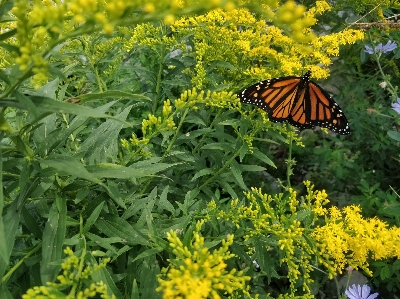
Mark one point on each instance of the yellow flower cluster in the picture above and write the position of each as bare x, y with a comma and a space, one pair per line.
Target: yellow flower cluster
43, 24
193, 99
151, 127
70, 277
346, 238
157, 124
315, 201
294, 20
147, 34
276, 215
349, 239
239, 39
189, 99
196, 273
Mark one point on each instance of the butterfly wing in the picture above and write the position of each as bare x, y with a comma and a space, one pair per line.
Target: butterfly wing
323, 111
282, 98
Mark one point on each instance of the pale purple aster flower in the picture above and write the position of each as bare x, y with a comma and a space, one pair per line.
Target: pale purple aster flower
389, 47
396, 106
358, 292
369, 50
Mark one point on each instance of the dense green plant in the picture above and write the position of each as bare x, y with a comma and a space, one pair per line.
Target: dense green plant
129, 164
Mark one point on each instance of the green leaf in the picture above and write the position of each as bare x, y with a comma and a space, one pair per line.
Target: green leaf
203, 172
93, 217
4, 292
7, 234
175, 82
237, 174
394, 135
10, 222
48, 90
137, 170
111, 94
26, 102
4, 77
102, 275
164, 203
221, 64
385, 272
50, 105
31, 223
5, 7
190, 196
135, 290
244, 167
8, 47
363, 56
148, 278
102, 143
113, 191
57, 139
230, 122
195, 133
195, 118
104, 242
264, 259
241, 253
114, 226
53, 239
4, 252
146, 212
148, 252
224, 146
259, 155
139, 205
228, 188
69, 166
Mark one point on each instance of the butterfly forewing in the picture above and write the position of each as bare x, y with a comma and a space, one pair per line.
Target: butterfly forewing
297, 100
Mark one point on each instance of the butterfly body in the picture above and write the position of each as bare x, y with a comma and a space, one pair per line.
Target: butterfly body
297, 100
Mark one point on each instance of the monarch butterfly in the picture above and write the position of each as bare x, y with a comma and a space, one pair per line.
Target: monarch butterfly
298, 100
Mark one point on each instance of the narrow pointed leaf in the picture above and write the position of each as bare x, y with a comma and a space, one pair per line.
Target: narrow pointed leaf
53, 240
113, 226
69, 166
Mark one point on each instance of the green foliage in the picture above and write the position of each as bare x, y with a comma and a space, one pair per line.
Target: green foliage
121, 134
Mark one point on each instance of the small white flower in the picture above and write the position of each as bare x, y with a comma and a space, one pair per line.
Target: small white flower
383, 84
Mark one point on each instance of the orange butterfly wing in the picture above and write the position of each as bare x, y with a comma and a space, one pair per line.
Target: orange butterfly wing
325, 112
297, 100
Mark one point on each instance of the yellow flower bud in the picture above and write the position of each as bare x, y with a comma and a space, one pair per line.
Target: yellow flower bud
149, 8
79, 18
285, 17
108, 28
299, 11
289, 6
230, 6
169, 19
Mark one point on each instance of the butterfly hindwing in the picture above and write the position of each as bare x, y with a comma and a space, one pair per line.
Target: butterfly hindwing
325, 112
297, 100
